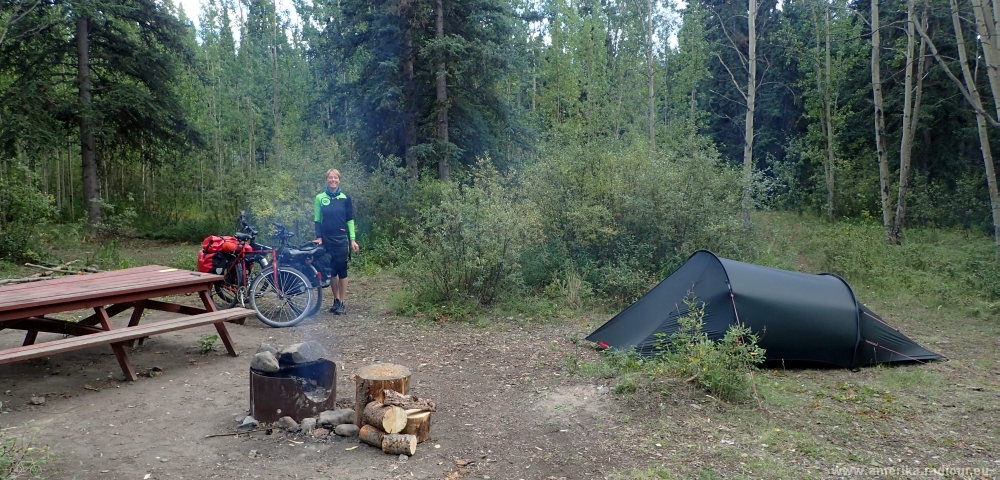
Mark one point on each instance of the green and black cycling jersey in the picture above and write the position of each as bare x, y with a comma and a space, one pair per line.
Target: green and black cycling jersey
334, 215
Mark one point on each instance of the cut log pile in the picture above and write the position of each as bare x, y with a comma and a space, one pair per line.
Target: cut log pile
389, 418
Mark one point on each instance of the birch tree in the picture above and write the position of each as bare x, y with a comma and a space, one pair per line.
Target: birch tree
911, 112
748, 92
880, 142
967, 86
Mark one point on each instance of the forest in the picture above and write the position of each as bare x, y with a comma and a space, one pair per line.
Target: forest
499, 145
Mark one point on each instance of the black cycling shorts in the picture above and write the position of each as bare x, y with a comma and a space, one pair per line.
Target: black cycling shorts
339, 250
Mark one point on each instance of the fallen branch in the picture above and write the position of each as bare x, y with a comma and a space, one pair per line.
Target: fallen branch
230, 434
59, 270
21, 280
59, 266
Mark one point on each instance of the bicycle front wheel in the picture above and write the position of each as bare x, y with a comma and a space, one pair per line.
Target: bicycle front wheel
282, 297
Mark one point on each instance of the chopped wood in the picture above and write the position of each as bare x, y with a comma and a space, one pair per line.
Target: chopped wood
371, 435
392, 419
399, 443
408, 402
418, 423
371, 381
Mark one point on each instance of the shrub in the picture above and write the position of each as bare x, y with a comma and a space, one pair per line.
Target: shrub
23, 207
20, 457
724, 367
467, 246
626, 218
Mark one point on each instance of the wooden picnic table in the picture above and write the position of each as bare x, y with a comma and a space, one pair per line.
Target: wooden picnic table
24, 306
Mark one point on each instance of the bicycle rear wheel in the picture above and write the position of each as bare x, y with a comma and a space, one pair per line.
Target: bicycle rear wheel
281, 298
226, 293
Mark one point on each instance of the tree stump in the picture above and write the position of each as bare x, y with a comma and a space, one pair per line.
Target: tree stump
418, 423
372, 380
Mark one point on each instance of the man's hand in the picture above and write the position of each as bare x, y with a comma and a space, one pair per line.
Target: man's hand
318, 240
354, 246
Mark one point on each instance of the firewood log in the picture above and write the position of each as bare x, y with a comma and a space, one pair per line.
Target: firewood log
418, 422
398, 443
408, 402
392, 419
371, 435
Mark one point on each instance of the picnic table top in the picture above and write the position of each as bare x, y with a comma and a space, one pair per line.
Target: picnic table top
104, 288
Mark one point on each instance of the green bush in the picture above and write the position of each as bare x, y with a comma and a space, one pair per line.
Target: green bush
626, 218
466, 247
724, 367
23, 207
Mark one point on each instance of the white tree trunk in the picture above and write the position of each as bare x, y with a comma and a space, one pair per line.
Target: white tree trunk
883, 160
747, 201
990, 52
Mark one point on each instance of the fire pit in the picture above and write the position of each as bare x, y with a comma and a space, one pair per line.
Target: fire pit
299, 391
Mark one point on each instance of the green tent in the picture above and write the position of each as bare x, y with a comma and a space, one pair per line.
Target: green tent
799, 317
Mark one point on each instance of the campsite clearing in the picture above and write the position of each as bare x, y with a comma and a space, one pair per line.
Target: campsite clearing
515, 400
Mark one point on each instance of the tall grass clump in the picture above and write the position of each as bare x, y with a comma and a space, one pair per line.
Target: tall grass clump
623, 218
466, 247
20, 457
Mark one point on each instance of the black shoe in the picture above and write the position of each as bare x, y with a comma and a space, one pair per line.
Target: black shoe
341, 309
335, 309
325, 282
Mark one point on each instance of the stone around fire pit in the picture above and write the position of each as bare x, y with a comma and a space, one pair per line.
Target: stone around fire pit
265, 362
308, 425
288, 423
336, 417
347, 430
302, 353
265, 347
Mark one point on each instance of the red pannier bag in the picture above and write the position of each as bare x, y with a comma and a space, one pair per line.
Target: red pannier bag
216, 252
216, 243
205, 261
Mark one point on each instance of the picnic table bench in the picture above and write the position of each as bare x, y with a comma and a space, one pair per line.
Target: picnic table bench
24, 306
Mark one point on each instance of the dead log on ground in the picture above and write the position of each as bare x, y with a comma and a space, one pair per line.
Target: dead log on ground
21, 280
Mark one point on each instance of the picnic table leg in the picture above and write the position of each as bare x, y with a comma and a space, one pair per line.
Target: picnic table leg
219, 327
30, 337
134, 320
123, 360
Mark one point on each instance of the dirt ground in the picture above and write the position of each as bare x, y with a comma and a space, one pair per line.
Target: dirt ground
513, 403
505, 408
